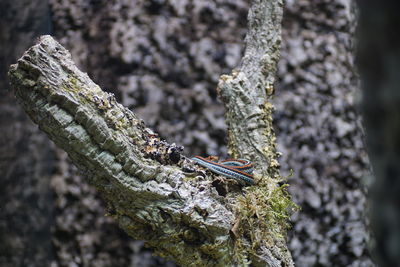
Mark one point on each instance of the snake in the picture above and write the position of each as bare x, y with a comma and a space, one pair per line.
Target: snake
238, 169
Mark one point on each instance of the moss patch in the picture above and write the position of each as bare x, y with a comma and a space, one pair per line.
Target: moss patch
263, 214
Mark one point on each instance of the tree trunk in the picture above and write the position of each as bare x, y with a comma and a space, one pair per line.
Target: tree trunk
320, 135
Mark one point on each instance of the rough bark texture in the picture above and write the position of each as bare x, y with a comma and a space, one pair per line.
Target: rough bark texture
245, 93
151, 198
319, 134
379, 61
248, 115
163, 59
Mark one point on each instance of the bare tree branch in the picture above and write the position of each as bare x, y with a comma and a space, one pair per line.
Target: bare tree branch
245, 92
248, 115
186, 220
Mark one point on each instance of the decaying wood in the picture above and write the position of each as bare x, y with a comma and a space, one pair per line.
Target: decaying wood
153, 192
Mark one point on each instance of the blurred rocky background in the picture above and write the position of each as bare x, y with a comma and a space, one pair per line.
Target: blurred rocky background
162, 59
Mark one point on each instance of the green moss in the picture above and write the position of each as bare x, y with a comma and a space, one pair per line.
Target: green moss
263, 213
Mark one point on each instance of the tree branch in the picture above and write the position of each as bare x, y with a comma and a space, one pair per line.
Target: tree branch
153, 191
245, 92
248, 115
111, 145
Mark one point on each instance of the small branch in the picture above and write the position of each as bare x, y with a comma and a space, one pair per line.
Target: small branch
263, 41
245, 92
248, 115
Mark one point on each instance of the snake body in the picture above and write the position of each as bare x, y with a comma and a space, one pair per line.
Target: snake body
238, 169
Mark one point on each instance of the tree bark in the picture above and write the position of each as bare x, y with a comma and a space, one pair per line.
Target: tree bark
245, 93
320, 135
141, 176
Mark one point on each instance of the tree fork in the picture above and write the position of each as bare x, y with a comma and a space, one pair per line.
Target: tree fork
153, 192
